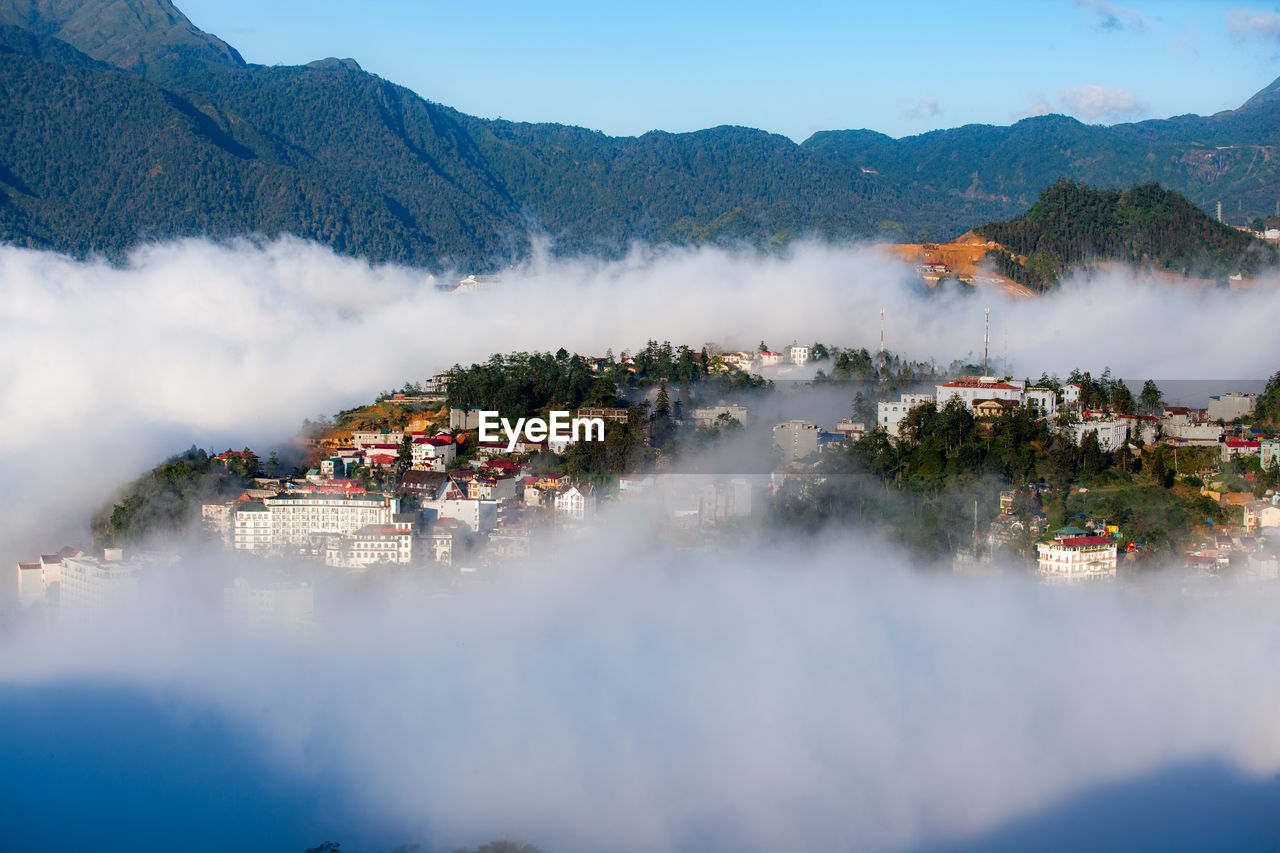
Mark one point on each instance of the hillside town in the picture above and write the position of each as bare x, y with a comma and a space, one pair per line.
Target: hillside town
427, 497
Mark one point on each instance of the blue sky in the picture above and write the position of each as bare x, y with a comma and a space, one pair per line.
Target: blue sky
900, 68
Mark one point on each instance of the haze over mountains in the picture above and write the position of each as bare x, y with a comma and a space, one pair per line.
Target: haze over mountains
123, 122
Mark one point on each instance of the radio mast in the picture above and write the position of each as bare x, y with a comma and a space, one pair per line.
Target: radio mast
986, 344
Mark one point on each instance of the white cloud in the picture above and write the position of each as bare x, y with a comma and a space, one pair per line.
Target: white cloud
111, 369
1095, 103
1107, 16
621, 694
926, 107
1039, 106
797, 694
1250, 24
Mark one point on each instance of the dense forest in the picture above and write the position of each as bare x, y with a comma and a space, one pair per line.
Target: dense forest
166, 501
123, 122
1146, 226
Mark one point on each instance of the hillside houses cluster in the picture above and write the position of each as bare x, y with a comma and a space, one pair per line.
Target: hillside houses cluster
988, 397
448, 513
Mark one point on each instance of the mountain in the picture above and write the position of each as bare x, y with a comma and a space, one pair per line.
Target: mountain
1073, 225
135, 35
123, 122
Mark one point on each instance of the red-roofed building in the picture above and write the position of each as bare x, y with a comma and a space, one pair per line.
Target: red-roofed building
1078, 558
973, 389
1233, 447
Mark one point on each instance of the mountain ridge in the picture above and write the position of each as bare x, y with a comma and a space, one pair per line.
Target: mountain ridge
185, 138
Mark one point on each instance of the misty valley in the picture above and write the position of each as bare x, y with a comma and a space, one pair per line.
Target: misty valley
705, 429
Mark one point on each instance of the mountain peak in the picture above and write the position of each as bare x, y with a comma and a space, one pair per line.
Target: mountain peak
129, 34
1269, 95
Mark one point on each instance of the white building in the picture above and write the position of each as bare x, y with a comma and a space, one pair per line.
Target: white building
1043, 400
266, 604
433, 453
890, 414
1233, 447
576, 503
796, 439
1191, 431
1228, 407
770, 359
799, 354
39, 581
293, 520
709, 416
1269, 453
373, 545
363, 439
475, 515
1112, 433
1260, 514
88, 583
1071, 394
979, 388
1077, 558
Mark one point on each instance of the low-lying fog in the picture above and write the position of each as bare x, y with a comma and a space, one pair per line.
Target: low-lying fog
789, 693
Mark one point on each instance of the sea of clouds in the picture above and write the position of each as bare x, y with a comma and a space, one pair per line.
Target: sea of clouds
789, 693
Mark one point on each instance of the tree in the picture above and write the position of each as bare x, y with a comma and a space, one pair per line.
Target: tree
273, 465
1150, 398
404, 457
1092, 459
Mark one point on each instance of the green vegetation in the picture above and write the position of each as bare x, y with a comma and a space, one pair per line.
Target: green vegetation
922, 489
1268, 409
526, 384
125, 123
167, 500
1072, 224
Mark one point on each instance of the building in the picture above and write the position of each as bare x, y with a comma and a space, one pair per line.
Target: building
1229, 407
1233, 447
1269, 453
39, 581
850, 429
617, 415
294, 520
991, 409
437, 384
433, 453
363, 439
1259, 515
709, 416
1071, 394
216, 518
475, 515
770, 359
978, 388
576, 503
88, 583
460, 418
269, 603
1044, 401
372, 545
799, 354
489, 488
1112, 433
1179, 423
1071, 559
796, 439
890, 414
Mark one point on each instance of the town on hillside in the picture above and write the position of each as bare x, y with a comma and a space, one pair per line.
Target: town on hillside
1080, 480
